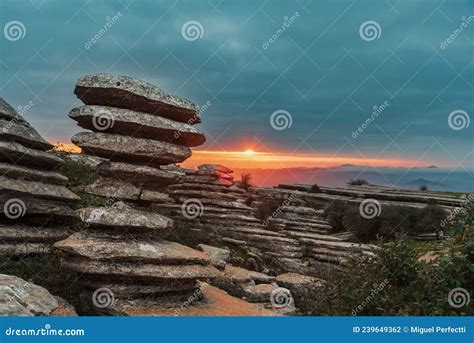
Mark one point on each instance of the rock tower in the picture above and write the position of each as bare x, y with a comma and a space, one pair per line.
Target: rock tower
34, 210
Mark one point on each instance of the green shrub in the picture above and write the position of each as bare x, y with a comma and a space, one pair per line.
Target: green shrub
335, 214
78, 173
423, 188
396, 282
391, 221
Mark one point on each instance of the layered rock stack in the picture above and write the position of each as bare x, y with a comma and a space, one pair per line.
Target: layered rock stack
209, 201
34, 202
130, 269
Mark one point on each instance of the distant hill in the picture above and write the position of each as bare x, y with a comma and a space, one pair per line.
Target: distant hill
433, 177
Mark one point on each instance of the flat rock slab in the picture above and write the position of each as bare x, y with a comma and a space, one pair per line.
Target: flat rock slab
136, 124
23, 133
138, 174
9, 113
130, 149
214, 302
242, 275
208, 179
120, 215
22, 248
140, 271
141, 290
219, 257
259, 293
18, 172
36, 189
35, 207
23, 233
134, 94
214, 168
148, 251
16, 153
108, 187
34, 299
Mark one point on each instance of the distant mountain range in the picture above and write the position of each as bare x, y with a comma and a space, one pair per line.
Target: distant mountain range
434, 178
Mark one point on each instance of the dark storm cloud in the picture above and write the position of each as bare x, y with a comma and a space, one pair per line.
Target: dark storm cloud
318, 69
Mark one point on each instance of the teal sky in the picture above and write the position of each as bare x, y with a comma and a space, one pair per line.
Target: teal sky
319, 69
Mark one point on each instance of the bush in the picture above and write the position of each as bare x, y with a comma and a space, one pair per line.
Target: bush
396, 282
335, 213
315, 189
358, 182
423, 188
391, 221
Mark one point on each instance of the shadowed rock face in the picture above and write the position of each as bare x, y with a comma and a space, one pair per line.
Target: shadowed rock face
9, 113
138, 124
134, 94
16, 153
34, 210
23, 133
130, 149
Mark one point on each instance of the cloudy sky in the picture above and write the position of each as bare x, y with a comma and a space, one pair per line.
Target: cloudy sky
321, 66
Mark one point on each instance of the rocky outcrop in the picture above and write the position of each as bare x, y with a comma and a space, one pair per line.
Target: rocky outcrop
34, 202
128, 265
21, 298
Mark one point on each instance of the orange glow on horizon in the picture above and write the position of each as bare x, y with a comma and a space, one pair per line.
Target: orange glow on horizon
249, 159
275, 160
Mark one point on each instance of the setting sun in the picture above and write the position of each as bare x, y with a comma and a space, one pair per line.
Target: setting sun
249, 152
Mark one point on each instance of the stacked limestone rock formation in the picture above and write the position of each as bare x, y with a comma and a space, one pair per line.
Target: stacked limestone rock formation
130, 269
34, 211
209, 201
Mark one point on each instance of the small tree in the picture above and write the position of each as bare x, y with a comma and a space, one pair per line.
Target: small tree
423, 188
245, 181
